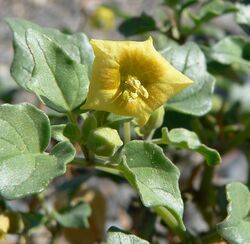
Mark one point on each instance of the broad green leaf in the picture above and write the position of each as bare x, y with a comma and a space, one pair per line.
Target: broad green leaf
51, 64
76, 46
196, 99
154, 176
137, 25
24, 166
243, 17
236, 227
230, 50
212, 9
186, 139
117, 236
74, 217
58, 80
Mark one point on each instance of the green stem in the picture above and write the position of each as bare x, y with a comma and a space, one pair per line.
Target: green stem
80, 162
172, 222
72, 118
98, 164
212, 237
85, 152
208, 174
157, 141
207, 201
109, 169
126, 132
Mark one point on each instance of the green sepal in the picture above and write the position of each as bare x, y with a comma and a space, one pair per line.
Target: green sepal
104, 141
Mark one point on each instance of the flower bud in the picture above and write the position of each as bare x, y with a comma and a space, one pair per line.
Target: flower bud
155, 121
89, 124
104, 141
103, 18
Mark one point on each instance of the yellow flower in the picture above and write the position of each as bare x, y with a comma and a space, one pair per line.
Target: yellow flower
103, 18
131, 78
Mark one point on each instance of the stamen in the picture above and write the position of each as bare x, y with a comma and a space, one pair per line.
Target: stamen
125, 95
143, 91
133, 95
132, 89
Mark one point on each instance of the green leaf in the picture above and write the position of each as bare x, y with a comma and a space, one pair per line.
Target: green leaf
243, 17
154, 176
137, 25
212, 9
235, 228
180, 5
58, 80
76, 46
117, 236
74, 217
187, 3
230, 50
197, 98
24, 166
57, 132
51, 64
186, 139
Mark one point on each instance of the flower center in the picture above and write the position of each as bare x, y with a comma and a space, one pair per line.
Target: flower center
132, 88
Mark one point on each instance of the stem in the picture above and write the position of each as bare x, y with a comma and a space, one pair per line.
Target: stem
99, 165
212, 237
207, 195
171, 222
85, 152
109, 169
80, 162
72, 118
126, 132
207, 179
157, 141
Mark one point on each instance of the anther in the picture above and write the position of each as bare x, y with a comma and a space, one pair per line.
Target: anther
133, 88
